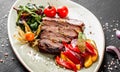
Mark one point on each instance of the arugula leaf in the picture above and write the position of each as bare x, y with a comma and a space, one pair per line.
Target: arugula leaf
34, 26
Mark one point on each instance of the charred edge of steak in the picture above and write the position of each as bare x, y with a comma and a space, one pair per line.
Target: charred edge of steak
70, 21
51, 50
47, 46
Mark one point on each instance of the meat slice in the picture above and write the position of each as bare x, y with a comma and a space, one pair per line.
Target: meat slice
56, 30
55, 37
65, 24
70, 21
61, 30
50, 28
47, 45
68, 32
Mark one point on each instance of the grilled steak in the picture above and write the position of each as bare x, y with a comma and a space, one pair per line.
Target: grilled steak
56, 30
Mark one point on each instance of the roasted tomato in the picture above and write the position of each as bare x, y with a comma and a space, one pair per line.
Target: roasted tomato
50, 11
62, 11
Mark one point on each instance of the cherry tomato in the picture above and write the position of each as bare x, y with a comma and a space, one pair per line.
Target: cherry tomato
29, 36
50, 11
62, 11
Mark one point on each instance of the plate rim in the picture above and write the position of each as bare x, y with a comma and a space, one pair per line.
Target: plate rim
21, 60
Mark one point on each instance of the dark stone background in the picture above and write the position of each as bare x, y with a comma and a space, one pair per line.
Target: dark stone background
107, 11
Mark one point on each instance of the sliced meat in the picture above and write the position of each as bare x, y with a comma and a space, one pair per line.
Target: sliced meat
50, 28
68, 32
56, 37
55, 30
70, 21
65, 25
47, 45
60, 30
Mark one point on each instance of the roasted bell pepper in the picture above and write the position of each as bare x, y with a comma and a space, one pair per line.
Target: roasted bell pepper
90, 48
69, 54
92, 43
64, 57
66, 64
84, 54
88, 61
78, 66
95, 57
75, 49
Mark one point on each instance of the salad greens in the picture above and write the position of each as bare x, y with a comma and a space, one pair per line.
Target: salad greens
32, 14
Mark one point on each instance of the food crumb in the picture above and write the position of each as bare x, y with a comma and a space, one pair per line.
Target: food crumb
117, 24
113, 20
115, 67
106, 23
111, 25
7, 44
13, 58
48, 59
64, 68
111, 62
117, 61
104, 65
7, 38
6, 54
2, 45
90, 32
58, 67
114, 29
1, 61
51, 63
5, 16
112, 35
111, 68
100, 17
46, 63
117, 20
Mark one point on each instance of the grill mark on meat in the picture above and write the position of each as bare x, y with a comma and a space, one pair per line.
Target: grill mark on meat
56, 37
50, 28
62, 25
68, 32
60, 30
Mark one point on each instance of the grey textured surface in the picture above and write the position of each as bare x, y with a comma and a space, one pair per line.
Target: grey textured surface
107, 11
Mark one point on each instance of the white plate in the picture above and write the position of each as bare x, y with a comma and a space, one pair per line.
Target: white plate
38, 62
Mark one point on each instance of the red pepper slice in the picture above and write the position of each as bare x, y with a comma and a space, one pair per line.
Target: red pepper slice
90, 48
75, 49
66, 64
69, 54
85, 54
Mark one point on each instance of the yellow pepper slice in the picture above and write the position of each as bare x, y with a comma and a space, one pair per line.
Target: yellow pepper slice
95, 57
88, 61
